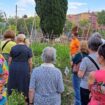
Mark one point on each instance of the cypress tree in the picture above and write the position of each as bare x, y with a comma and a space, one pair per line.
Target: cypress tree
52, 15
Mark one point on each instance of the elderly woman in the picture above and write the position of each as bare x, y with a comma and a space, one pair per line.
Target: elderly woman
46, 84
7, 43
20, 63
88, 65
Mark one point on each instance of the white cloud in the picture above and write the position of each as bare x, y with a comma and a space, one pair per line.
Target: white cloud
25, 3
74, 7
25, 7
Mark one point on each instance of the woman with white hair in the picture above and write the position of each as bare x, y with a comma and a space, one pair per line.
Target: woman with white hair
46, 84
20, 66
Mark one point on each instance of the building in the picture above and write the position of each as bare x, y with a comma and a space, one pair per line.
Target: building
91, 17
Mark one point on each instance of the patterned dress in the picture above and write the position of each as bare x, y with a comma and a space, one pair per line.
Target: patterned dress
47, 82
3, 79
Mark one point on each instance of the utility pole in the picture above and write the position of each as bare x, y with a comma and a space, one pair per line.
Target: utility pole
16, 19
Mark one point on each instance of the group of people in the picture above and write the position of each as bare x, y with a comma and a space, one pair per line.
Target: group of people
88, 69
40, 86
18, 56
44, 84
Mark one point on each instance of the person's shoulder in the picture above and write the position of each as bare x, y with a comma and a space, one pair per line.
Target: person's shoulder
77, 40
85, 60
36, 69
57, 70
78, 54
12, 42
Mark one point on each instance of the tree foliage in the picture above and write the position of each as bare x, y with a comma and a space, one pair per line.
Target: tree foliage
1, 17
25, 25
52, 15
84, 23
68, 25
101, 17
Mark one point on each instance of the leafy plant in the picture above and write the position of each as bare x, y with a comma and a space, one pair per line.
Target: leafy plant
16, 98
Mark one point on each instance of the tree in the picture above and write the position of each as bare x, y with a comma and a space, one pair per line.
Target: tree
52, 15
68, 25
101, 17
1, 17
84, 23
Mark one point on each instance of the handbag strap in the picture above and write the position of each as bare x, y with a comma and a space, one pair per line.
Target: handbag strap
5, 44
94, 62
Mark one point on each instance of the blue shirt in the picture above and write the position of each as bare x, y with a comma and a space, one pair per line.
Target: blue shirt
47, 82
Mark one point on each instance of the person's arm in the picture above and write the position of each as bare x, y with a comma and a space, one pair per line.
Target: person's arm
30, 64
31, 96
9, 60
81, 73
91, 78
60, 85
83, 67
32, 88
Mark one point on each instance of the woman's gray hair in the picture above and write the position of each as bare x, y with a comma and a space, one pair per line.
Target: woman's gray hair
97, 34
49, 55
94, 43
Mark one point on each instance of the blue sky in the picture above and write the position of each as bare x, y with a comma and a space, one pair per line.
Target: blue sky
27, 6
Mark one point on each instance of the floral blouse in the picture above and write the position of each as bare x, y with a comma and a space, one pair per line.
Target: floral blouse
3, 79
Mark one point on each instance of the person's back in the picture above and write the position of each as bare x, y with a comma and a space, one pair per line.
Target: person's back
48, 84
98, 88
20, 53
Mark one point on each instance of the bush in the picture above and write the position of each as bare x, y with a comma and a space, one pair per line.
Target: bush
63, 59
16, 98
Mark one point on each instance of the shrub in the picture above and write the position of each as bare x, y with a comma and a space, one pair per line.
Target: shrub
16, 98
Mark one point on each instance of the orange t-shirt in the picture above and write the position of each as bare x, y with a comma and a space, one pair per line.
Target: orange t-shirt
74, 46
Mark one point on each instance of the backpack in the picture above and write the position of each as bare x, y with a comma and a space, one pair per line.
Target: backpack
75, 67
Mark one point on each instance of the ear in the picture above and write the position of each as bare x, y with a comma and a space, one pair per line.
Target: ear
102, 58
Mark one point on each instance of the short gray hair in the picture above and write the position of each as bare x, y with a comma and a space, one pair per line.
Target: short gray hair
94, 43
49, 55
97, 34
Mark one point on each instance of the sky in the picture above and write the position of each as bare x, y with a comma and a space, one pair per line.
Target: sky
28, 6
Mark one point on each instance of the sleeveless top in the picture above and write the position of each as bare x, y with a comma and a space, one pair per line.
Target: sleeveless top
98, 89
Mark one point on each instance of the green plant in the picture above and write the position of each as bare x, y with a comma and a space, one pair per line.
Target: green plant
16, 98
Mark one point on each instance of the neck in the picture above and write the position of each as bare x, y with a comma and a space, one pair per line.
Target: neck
91, 52
21, 43
103, 66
